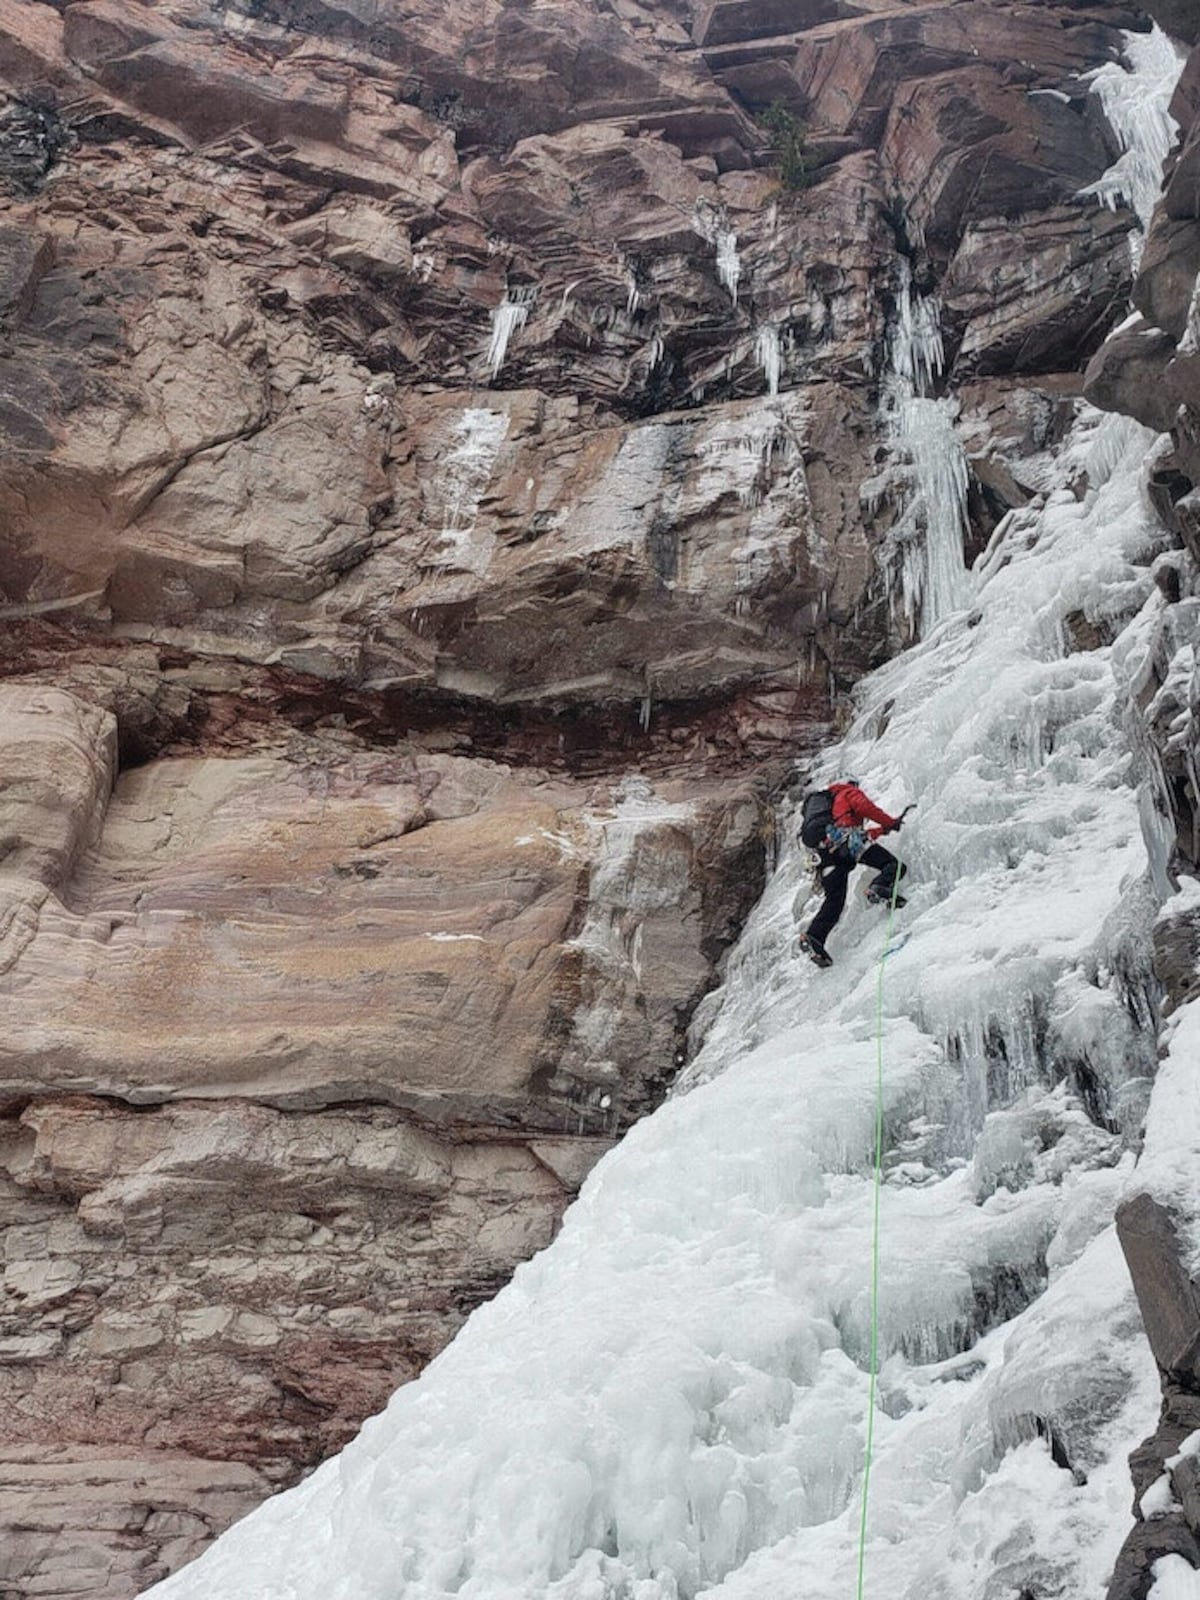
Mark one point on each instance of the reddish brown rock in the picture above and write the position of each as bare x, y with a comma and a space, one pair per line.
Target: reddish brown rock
1126, 374
1176, 17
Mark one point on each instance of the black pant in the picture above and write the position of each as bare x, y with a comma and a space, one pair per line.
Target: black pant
836, 867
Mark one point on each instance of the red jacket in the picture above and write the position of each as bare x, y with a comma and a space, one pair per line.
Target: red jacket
851, 809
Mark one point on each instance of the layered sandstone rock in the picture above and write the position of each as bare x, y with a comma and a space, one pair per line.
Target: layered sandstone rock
302, 1056
446, 480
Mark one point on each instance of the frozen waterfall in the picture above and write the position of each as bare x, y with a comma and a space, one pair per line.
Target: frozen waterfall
1136, 105
670, 1400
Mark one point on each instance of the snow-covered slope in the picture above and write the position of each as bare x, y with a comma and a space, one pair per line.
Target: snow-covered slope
672, 1399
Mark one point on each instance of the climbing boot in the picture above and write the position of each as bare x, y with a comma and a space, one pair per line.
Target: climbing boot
883, 897
815, 951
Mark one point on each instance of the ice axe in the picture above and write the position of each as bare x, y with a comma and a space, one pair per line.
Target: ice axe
896, 826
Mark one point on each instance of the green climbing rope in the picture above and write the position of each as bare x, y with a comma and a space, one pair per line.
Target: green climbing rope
874, 1346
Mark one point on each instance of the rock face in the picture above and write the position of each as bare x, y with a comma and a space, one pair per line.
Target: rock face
1150, 371
448, 477
305, 1051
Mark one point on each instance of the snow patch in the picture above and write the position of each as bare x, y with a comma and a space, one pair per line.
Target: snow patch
1174, 1580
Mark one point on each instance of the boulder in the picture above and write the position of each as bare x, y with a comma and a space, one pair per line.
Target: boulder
1127, 375
1168, 1296
1166, 281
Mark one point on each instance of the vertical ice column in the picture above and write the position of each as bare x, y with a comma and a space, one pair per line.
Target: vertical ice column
929, 534
770, 356
729, 263
934, 576
508, 316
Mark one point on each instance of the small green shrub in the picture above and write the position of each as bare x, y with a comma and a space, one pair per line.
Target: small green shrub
788, 135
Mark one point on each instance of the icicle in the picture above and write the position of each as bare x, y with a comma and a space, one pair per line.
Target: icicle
508, 316
1137, 106
917, 353
634, 298
769, 356
729, 265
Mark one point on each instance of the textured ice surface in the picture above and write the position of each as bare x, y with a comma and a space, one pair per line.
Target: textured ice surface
1137, 107
671, 1399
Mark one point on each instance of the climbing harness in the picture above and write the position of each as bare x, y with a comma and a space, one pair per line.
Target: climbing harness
878, 1186
852, 840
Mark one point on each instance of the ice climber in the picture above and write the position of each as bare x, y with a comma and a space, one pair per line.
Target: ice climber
833, 822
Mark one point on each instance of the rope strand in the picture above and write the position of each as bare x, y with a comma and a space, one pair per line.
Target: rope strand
878, 1186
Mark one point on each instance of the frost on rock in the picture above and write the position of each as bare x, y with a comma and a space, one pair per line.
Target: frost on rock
636, 874
671, 1400
1137, 106
737, 455
459, 485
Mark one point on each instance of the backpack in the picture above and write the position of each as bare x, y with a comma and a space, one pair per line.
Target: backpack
816, 817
